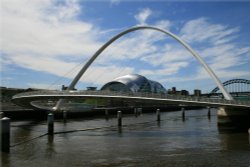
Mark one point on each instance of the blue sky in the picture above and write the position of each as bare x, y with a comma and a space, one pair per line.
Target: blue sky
44, 43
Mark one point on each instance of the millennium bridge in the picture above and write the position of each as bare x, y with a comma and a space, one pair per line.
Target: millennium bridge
226, 106
34, 99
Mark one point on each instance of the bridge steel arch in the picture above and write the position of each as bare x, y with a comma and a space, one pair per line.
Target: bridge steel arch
232, 81
196, 55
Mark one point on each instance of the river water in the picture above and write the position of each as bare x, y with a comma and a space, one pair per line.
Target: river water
141, 142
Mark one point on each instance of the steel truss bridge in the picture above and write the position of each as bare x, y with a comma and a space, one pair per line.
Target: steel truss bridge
30, 99
235, 86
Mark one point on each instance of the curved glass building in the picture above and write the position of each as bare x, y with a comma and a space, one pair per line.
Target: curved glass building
134, 83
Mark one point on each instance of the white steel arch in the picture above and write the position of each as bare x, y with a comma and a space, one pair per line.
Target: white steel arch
196, 55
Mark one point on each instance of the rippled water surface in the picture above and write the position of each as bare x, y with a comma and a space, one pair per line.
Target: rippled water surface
142, 141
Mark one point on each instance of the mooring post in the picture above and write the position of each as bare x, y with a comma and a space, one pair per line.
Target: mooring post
140, 111
106, 113
119, 117
135, 112
50, 123
5, 134
209, 112
158, 114
64, 116
183, 113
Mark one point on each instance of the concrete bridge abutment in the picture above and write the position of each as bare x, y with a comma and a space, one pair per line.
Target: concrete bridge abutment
238, 118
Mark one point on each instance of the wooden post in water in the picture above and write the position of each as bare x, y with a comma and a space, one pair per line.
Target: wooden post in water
183, 113
119, 118
135, 111
106, 113
209, 112
64, 116
50, 123
139, 110
5, 134
158, 114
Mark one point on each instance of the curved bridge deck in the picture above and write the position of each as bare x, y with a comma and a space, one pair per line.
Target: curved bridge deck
25, 99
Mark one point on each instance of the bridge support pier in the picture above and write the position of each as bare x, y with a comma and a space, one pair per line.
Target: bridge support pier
236, 118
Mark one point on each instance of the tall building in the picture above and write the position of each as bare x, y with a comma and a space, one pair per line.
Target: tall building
197, 92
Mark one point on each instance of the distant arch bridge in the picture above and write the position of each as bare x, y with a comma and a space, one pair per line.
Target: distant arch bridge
235, 86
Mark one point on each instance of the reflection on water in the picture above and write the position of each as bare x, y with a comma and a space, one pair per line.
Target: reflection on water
142, 141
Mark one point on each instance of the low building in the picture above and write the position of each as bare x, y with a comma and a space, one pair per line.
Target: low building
174, 91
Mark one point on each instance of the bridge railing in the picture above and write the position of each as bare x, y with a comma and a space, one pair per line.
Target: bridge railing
136, 94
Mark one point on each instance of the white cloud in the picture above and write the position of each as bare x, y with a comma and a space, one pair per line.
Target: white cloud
104, 74
221, 52
44, 29
143, 15
167, 55
45, 35
45, 64
164, 24
169, 69
200, 30
139, 44
222, 73
115, 2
